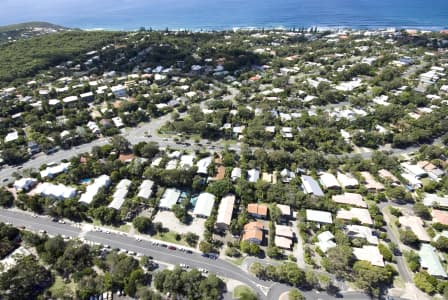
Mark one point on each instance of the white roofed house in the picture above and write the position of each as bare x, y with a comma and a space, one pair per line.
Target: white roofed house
118, 122
12, 136
319, 216
52, 171
325, 241
329, 181
225, 212
369, 253
169, 198
203, 164
413, 181
287, 175
347, 180
186, 161
415, 170
58, 192
236, 173
204, 205
146, 189
359, 231
70, 99
25, 184
286, 132
435, 200
254, 175
119, 91
102, 181
121, 191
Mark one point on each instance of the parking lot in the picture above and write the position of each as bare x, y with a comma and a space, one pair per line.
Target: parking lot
169, 220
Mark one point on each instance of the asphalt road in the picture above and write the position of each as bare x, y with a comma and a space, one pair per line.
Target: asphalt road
194, 260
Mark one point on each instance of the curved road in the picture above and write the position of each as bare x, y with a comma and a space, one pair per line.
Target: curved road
145, 246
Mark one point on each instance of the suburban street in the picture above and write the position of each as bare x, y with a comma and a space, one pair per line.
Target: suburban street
264, 289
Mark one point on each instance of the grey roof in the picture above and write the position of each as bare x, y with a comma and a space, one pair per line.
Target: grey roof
311, 186
430, 261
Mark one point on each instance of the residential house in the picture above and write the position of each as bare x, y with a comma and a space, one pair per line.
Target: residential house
169, 198
414, 170
318, 216
146, 189
350, 199
119, 91
363, 232
204, 205
102, 181
259, 211
388, 176
253, 232
285, 212
236, 174
329, 181
360, 214
203, 164
253, 175
415, 224
287, 175
311, 186
25, 184
347, 181
52, 171
370, 182
414, 182
435, 200
433, 171
430, 261
121, 191
58, 192
440, 216
325, 241
225, 212
369, 253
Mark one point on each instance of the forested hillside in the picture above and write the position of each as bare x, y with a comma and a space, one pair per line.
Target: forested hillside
27, 57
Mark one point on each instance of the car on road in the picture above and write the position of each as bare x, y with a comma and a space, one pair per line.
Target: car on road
189, 251
138, 239
42, 231
5, 179
54, 220
184, 266
61, 222
203, 270
210, 255
172, 248
164, 245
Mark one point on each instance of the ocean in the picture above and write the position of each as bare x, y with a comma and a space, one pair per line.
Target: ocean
228, 14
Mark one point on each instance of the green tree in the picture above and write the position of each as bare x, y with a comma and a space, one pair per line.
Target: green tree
26, 280
6, 198
142, 224
295, 294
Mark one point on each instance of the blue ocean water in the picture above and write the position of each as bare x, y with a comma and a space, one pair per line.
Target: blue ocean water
213, 14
